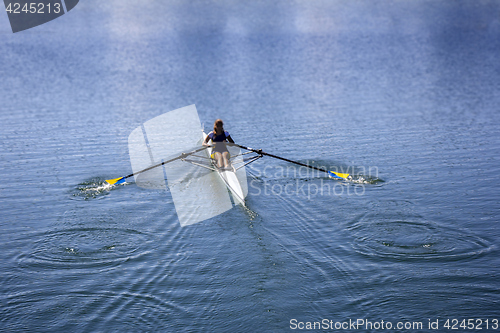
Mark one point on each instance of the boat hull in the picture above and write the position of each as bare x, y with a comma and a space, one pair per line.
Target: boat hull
229, 178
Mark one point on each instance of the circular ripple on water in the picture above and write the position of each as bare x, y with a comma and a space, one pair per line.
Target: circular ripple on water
82, 248
414, 239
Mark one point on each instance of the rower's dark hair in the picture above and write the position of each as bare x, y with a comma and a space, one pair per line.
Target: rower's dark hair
216, 124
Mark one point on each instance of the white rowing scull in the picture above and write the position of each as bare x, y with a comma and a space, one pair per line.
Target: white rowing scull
228, 176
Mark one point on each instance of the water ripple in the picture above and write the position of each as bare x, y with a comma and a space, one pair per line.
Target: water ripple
413, 238
82, 248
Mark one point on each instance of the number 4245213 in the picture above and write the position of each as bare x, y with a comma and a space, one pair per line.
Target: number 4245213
471, 324
33, 8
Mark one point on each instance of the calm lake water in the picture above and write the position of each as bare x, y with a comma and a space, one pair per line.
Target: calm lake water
403, 94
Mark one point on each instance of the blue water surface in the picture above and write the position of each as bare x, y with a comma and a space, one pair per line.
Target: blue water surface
404, 95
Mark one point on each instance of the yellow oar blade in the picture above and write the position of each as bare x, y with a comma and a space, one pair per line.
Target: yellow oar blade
334, 174
115, 181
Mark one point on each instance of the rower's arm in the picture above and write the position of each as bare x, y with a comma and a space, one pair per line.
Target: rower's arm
230, 139
205, 143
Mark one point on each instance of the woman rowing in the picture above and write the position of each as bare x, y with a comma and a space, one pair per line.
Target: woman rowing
219, 137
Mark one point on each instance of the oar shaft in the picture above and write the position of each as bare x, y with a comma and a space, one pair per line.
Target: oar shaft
183, 155
259, 151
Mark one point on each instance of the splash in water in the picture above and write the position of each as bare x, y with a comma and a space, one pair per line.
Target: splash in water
92, 189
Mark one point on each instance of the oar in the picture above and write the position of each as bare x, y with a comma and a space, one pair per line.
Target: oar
332, 174
121, 180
